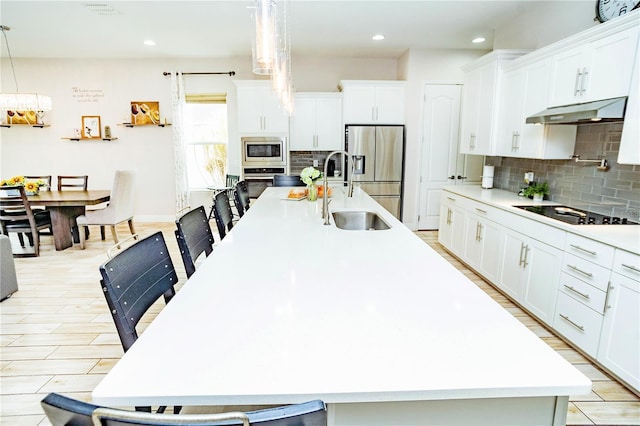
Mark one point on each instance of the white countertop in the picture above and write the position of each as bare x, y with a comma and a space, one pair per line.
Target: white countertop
286, 309
625, 237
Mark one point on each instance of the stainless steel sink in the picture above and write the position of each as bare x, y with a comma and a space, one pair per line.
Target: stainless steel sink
359, 221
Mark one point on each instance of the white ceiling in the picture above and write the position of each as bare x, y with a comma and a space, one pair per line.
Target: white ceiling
215, 28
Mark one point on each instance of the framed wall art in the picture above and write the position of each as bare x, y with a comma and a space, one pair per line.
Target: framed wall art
145, 112
91, 127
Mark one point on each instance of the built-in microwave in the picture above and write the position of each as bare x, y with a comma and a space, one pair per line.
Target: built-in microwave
264, 151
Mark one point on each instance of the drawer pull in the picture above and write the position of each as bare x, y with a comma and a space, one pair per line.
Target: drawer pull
451, 199
566, 318
633, 268
481, 211
588, 274
593, 253
568, 287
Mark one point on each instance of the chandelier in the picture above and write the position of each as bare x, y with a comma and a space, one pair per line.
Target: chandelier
22, 101
271, 48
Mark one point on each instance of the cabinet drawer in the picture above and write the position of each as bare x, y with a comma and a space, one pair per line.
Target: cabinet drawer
593, 251
578, 323
586, 271
486, 211
584, 293
542, 232
627, 264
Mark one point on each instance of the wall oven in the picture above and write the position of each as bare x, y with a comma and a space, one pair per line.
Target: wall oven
264, 151
260, 178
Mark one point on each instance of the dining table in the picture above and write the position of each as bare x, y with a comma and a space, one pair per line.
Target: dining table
64, 207
373, 322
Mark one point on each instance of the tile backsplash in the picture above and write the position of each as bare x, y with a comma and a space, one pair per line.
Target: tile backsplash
615, 192
301, 159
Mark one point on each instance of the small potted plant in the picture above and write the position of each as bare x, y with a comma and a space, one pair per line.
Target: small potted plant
537, 191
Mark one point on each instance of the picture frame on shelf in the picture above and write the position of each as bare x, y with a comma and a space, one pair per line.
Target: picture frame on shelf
91, 127
145, 113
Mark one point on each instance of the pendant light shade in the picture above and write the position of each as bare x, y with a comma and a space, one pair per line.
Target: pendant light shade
264, 48
21, 101
24, 102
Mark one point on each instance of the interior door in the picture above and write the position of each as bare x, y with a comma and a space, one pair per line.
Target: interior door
441, 162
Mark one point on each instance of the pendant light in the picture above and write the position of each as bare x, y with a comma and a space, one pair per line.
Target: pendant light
20, 101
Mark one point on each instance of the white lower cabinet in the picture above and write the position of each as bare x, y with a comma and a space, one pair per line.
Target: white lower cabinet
530, 273
619, 349
452, 224
586, 290
483, 238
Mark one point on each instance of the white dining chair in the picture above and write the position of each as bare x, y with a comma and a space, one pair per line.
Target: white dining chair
120, 208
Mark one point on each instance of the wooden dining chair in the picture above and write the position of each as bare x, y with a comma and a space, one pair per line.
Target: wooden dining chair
38, 210
79, 182
64, 411
194, 237
119, 210
222, 213
16, 216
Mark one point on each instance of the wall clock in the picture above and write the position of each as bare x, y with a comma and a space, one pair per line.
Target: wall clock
609, 9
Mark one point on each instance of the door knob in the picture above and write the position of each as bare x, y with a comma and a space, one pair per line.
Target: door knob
451, 177
461, 177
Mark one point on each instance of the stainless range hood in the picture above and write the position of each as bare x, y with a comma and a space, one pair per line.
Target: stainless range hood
598, 111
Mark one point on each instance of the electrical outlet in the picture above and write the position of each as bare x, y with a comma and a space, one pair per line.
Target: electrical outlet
315, 163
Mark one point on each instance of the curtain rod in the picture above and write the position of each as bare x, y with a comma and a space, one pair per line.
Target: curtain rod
230, 73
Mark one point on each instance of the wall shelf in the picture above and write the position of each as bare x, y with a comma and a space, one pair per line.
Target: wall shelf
40, 126
144, 125
90, 139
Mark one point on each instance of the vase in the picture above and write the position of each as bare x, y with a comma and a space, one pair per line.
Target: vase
31, 192
538, 197
312, 192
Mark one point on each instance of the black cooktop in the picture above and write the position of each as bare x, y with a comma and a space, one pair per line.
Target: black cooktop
577, 216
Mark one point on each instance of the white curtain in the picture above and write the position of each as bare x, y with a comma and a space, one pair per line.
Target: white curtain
177, 105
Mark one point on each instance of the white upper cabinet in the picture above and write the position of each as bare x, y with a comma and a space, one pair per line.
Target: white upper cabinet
595, 70
373, 102
630, 140
523, 93
316, 124
259, 111
479, 101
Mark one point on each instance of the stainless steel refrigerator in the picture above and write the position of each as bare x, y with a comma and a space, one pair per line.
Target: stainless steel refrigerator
378, 154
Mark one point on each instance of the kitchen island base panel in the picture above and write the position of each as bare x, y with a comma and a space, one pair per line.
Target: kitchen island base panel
478, 412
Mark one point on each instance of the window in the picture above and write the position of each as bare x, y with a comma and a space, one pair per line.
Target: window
205, 136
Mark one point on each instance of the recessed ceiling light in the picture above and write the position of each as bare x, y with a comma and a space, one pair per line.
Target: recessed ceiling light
478, 40
378, 37
149, 43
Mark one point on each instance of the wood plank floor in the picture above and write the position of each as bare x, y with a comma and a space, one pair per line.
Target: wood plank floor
56, 334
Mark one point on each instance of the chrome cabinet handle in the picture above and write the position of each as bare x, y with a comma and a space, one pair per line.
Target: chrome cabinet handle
606, 297
526, 254
633, 268
451, 199
593, 253
585, 73
576, 86
478, 231
521, 251
481, 211
586, 296
588, 274
566, 318
472, 141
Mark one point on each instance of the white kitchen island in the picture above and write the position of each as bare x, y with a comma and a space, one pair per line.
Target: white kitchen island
374, 323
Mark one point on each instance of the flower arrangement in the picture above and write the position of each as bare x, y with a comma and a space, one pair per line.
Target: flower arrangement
30, 186
309, 175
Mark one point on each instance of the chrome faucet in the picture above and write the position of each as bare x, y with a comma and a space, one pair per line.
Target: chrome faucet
325, 193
